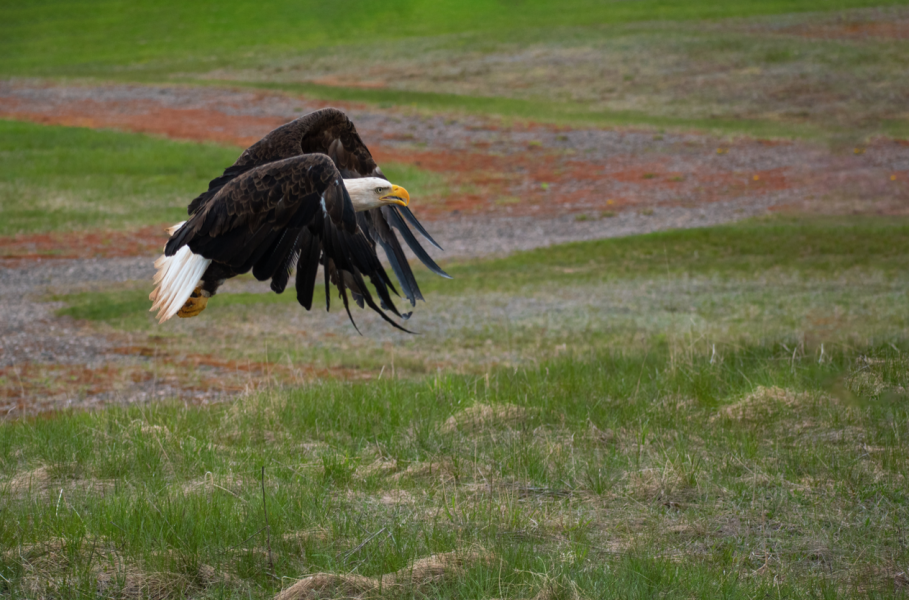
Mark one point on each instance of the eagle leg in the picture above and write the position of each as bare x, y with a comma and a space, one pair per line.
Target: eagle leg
196, 304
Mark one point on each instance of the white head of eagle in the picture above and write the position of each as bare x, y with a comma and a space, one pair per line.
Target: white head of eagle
372, 192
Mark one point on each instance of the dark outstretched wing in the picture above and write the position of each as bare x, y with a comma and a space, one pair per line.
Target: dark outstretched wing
292, 209
330, 132
326, 131
378, 223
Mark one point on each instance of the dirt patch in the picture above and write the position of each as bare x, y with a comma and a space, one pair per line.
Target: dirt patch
754, 68
488, 167
16, 250
443, 471
897, 29
418, 577
549, 170
506, 187
148, 117
40, 482
485, 416
49, 570
354, 83
144, 372
31, 482
763, 403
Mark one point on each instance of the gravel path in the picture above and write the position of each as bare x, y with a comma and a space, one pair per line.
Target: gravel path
30, 333
586, 166
464, 237
509, 170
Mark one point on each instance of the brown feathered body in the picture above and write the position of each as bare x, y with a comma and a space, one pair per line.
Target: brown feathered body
283, 204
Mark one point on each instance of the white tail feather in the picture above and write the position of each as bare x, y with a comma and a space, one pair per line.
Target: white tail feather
177, 277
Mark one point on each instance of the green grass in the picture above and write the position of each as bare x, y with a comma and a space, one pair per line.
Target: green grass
828, 280
128, 308
423, 186
70, 178
567, 113
766, 81
618, 474
616, 63
832, 248
816, 247
686, 414
54, 38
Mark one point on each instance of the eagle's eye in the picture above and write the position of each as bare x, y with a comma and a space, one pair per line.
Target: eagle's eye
380, 190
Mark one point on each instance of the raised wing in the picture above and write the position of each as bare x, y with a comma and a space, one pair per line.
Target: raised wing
293, 209
329, 131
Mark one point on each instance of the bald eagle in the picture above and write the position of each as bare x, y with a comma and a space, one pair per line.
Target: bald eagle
307, 194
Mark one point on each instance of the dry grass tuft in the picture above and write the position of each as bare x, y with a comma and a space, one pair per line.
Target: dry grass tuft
377, 467
35, 481
209, 576
48, 572
397, 498
423, 573
159, 431
319, 534
129, 582
327, 585
230, 484
652, 483
604, 436
763, 403
435, 568
40, 482
485, 416
868, 383
442, 471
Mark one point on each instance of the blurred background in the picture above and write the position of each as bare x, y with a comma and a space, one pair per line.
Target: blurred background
679, 237
515, 125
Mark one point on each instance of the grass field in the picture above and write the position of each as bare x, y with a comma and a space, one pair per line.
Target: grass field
697, 413
716, 412
761, 77
73, 178
616, 474
829, 280
766, 68
59, 38
65, 178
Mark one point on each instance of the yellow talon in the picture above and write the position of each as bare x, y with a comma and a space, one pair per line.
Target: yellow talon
194, 305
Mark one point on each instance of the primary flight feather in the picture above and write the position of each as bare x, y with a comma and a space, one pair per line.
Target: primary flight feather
308, 194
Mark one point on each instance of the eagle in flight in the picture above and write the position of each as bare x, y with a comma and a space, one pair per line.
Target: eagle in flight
308, 194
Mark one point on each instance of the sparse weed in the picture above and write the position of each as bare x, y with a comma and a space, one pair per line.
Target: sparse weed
510, 473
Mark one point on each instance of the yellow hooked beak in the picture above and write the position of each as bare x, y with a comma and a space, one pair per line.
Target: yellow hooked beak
398, 196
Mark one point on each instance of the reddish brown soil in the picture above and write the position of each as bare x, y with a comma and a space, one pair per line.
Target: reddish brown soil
893, 30
14, 250
30, 387
146, 117
549, 181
